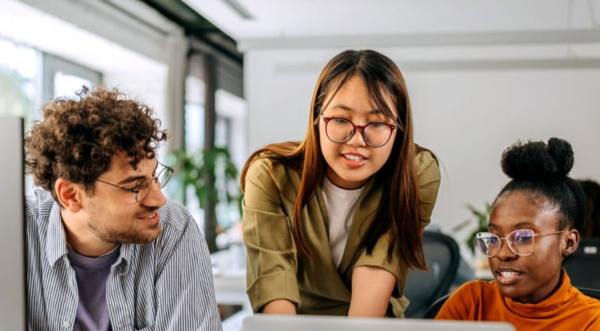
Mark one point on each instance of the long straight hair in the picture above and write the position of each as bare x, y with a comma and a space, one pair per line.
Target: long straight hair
398, 209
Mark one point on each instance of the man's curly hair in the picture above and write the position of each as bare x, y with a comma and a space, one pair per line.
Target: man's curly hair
78, 137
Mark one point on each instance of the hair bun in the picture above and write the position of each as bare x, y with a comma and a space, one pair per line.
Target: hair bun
537, 161
562, 154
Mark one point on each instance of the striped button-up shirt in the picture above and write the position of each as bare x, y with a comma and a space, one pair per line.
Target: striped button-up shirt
163, 285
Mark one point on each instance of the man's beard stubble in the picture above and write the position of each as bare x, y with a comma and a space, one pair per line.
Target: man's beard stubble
133, 235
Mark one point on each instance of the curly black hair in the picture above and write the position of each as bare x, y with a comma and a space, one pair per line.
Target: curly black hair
78, 137
543, 169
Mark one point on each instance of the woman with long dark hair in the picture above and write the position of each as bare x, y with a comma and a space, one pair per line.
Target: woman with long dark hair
333, 223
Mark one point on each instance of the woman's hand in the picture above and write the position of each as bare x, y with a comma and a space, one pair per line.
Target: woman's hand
371, 291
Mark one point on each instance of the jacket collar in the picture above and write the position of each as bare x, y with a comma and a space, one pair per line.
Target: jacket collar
362, 220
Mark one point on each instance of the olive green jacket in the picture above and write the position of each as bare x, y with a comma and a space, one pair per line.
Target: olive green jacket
316, 286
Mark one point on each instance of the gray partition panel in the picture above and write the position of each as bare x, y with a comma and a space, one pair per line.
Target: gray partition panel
12, 225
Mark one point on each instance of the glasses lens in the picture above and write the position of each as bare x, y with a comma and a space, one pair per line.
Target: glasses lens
377, 134
339, 130
146, 185
488, 243
521, 241
164, 176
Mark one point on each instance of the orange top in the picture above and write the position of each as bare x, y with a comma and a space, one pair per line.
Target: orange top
566, 309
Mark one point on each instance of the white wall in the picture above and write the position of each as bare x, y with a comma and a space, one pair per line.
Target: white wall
467, 117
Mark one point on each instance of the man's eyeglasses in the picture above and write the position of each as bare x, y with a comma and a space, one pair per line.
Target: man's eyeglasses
341, 130
520, 242
142, 190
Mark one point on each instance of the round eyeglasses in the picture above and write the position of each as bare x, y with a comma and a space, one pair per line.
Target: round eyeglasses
142, 190
341, 130
520, 242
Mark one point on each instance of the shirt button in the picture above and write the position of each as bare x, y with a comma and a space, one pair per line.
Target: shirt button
66, 324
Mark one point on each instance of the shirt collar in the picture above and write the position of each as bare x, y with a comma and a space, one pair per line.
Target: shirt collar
550, 306
56, 242
125, 258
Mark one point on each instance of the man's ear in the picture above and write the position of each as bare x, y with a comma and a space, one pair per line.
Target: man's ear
571, 242
69, 194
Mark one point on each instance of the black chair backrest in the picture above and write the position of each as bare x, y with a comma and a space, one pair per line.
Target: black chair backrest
592, 293
436, 306
583, 267
423, 288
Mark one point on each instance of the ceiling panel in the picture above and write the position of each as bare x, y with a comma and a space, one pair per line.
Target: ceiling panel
274, 19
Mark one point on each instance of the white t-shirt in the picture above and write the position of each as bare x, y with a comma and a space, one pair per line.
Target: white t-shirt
340, 204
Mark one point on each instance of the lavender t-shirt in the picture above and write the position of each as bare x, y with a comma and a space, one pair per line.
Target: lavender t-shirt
92, 273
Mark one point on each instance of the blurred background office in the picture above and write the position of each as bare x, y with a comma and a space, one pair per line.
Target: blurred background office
235, 75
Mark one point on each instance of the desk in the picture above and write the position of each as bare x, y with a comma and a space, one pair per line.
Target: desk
229, 272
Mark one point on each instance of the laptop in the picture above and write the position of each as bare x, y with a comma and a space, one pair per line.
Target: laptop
340, 323
12, 225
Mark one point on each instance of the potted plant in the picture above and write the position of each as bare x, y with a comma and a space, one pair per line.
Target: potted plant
213, 176
481, 218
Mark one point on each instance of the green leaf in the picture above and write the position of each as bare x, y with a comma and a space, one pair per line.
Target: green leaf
211, 173
481, 219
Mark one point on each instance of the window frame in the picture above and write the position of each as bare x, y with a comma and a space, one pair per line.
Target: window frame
53, 64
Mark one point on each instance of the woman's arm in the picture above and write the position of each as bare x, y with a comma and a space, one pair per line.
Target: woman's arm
371, 291
281, 306
272, 262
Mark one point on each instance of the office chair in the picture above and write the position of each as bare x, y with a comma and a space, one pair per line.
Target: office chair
436, 306
590, 292
583, 266
423, 288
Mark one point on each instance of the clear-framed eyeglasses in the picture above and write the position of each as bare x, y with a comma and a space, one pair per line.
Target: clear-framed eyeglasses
340, 130
144, 187
520, 242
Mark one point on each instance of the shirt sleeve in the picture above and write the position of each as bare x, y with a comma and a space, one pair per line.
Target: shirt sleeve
429, 184
185, 289
272, 262
397, 267
379, 258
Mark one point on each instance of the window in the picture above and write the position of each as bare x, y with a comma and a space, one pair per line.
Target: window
19, 71
63, 78
27, 82
230, 133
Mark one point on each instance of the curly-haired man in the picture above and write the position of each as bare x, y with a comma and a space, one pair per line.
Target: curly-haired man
106, 250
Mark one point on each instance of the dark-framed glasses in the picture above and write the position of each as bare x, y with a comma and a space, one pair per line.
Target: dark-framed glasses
142, 190
520, 242
340, 130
